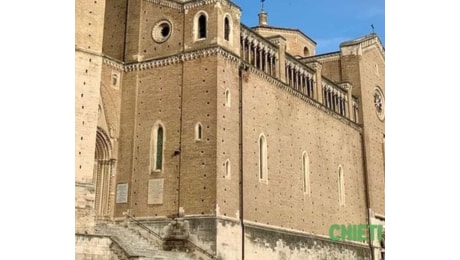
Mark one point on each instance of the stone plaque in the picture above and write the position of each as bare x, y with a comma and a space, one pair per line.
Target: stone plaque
122, 193
155, 191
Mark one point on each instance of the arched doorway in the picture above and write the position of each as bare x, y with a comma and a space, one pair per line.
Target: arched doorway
103, 165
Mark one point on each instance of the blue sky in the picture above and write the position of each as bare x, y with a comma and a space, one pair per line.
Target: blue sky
328, 22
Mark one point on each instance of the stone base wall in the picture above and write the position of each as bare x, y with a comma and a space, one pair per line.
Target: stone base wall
84, 208
222, 237
268, 243
96, 248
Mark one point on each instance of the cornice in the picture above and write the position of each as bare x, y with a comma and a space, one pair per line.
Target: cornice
114, 64
152, 64
219, 51
171, 60
191, 5
166, 3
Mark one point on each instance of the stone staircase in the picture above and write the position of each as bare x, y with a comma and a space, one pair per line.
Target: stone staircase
136, 245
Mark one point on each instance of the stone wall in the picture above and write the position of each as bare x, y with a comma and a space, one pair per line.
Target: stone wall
96, 248
267, 243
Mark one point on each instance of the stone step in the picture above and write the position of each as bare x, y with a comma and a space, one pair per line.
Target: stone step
133, 241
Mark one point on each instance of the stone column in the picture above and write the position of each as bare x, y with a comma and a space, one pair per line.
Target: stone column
350, 111
270, 68
281, 66
265, 61
251, 53
243, 48
316, 65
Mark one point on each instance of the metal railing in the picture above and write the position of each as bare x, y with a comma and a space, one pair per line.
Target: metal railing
144, 227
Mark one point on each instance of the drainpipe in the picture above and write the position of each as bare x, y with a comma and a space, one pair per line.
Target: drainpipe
241, 193
366, 191
180, 119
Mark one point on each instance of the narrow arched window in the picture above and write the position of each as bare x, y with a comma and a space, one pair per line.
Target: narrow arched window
226, 29
228, 99
306, 173
263, 158
159, 157
198, 132
157, 147
306, 52
202, 24
341, 187
227, 169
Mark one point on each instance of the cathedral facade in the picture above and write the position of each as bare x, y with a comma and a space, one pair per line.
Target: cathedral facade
255, 142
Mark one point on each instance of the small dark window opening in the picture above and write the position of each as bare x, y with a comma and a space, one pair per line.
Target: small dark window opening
199, 132
165, 30
306, 52
226, 29
262, 157
114, 79
202, 27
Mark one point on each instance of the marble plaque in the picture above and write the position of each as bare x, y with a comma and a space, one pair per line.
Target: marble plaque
122, 193
155, 191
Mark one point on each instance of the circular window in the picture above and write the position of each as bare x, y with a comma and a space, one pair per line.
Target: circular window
379, 103
161, 31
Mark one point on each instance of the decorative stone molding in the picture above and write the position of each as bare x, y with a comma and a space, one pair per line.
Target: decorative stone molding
195, 4
315, 65
152, 64
173, 59
162, 30
166, 3
114, 64
345, 85
187, 5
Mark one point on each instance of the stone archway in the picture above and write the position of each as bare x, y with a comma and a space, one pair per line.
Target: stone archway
103, 165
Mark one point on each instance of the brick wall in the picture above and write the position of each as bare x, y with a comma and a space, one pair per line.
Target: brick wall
292, 126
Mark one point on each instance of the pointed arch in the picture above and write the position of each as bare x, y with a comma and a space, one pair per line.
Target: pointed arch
263, 167
228, 98
157, 141
103, 145
227, 27
198, 131
228, 168
306, 173
102, 172
200, 25
341, 186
